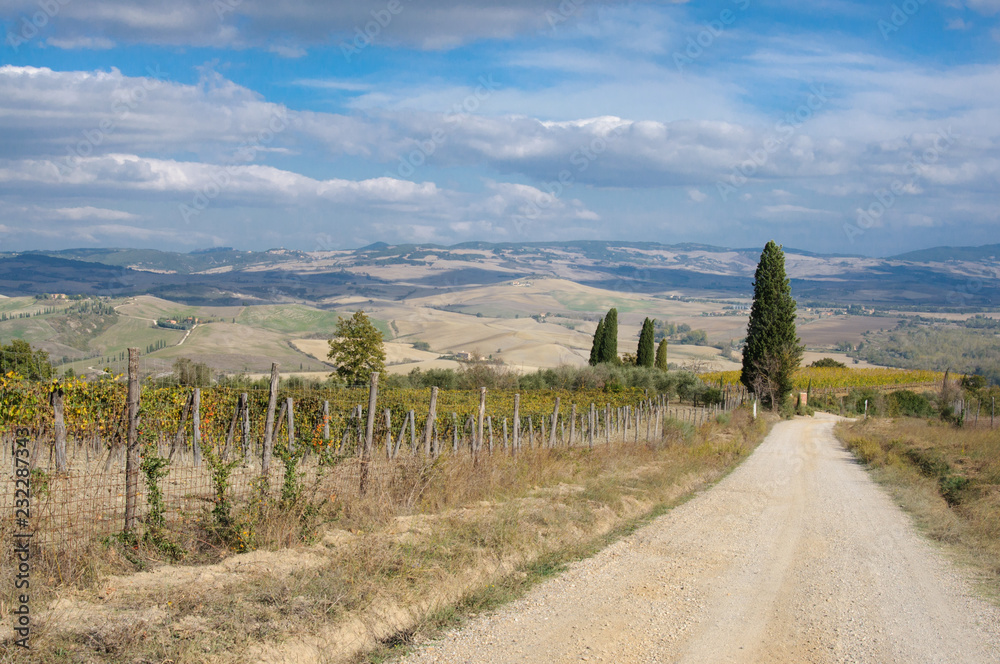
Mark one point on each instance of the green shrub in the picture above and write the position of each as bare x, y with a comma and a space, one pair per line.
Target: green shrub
854, 402
951, 488
828, 362
711, 396
906, 403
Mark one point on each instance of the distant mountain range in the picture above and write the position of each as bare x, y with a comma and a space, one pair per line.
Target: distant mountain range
987, 252
942, 278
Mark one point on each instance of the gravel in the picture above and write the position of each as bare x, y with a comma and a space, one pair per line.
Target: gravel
795, 557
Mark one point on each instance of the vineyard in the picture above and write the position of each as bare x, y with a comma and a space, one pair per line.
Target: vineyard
199, 449
834, 378
95, 411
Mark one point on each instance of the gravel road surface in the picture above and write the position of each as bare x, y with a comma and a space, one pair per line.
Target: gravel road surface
795, 557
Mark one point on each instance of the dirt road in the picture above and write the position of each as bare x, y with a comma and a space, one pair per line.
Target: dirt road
795, 557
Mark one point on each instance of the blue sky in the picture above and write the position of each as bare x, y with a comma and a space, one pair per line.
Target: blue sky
834, 126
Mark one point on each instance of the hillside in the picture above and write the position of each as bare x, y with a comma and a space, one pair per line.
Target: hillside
528, 305
942, 279
988, 252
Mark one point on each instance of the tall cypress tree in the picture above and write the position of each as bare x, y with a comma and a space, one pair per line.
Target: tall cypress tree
645, 353
661, 355
609, 342
772, 351
595, 348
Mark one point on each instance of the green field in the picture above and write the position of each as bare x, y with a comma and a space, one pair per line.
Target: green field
590, 303
290, 318
259, 336
229, 347
153, 307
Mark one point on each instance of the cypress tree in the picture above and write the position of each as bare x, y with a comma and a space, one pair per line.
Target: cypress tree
609, 343
772, 351
645, 353
661, 355
595, 348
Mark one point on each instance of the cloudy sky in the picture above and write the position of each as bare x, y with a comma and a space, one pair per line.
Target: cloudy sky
864, 127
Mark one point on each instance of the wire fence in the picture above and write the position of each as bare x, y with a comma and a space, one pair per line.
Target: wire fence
85, 486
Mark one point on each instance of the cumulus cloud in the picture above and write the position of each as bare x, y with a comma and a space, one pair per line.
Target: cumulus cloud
79, 114
189, 191
696, 195
583, 121
429, 24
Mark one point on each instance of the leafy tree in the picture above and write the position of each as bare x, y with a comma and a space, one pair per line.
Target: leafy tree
772, 351
695, 338
192, 374
595, 349
19, 357
645, 353
609, 338
661, 355
828, 362
357, 349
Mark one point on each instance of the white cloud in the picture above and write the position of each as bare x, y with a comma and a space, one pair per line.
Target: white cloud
429, 24
186, 191
90, 43
775, 210
333, 84
696, 195
88, 212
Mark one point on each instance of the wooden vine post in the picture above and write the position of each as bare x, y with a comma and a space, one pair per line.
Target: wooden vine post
590, 426
555, 422
366, 455
516, 447
179, 438
481, 423
59, 425
291, 425
245, 424
572, 426
272, 401
429, 426
132, 449
196, 426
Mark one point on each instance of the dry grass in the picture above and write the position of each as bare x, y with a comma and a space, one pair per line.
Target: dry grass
948, 478
438, 541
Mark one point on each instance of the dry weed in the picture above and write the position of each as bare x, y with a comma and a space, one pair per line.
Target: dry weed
430, 542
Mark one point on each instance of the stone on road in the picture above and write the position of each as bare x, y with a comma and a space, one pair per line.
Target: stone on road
797, 556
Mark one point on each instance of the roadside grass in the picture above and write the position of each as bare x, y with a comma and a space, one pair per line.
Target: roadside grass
946, 477
433, 545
